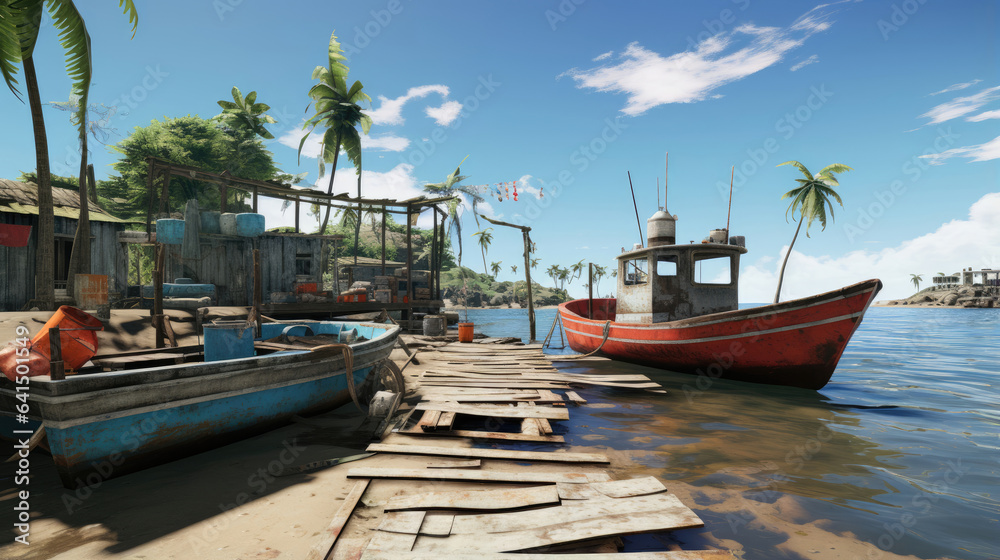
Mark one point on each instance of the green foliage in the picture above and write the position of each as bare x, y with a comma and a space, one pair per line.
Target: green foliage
450, 187
190, 141
70, 183
246, 115
495, 267
916, 279
813, 195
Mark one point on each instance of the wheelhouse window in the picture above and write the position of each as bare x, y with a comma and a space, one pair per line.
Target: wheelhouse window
636, 271
713, 269
303, 264
666, 265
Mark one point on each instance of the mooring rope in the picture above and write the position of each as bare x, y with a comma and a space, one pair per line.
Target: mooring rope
348, 367
607, 331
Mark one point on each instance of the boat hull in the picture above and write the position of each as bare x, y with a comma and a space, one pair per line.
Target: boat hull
105, 425
796, 343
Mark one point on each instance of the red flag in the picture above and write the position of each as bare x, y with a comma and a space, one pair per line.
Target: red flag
14, 236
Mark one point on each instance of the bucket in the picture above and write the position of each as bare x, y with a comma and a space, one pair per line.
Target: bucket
170, 231
249, 224
434, 325
228, 340
77, 336
465, 332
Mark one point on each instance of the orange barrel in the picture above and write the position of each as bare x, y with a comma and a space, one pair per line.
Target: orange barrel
77, 336
465, 331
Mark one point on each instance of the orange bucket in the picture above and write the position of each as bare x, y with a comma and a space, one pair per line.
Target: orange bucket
465, 332
77, 336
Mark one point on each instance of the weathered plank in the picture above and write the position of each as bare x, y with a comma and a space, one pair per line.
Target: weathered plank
457, 464
557, 456
525, 384
446, 421
486, 435
461, 398
396, 542
571, 512
666, 555
497, 411
429, 421
521, 476
437, 524
572, 531
329, 536
575, 397
407, 522
477, 499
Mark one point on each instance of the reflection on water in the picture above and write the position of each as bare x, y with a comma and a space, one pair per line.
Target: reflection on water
898, 455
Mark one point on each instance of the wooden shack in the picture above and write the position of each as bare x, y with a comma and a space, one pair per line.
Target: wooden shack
19, 207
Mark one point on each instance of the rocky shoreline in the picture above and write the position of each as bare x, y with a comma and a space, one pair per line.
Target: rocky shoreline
968, 297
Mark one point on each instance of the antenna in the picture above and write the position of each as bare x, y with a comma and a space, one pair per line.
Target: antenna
730, 211
666, 162
658, 194
641, 240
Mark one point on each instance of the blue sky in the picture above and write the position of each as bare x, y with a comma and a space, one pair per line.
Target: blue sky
567, 96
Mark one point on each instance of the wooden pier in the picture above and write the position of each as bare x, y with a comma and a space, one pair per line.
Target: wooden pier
494, 500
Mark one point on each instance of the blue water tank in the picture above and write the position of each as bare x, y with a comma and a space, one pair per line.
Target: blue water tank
170, 231
210, 222
228, 340
182, 290
249, 224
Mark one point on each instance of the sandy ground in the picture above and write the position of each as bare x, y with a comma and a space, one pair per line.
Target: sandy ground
228, 503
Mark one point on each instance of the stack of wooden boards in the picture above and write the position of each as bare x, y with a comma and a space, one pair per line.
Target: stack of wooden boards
571, 506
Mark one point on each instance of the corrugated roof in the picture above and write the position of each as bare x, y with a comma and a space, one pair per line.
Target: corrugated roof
22, 198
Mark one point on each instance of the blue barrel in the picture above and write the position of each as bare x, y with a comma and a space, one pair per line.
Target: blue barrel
227, 223
170, 231
210, 222
228, 340
182, 290
249, 224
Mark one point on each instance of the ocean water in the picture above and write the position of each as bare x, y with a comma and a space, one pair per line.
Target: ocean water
898, 456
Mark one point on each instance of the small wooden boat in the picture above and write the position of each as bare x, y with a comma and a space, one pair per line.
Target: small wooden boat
677, 309
160, 405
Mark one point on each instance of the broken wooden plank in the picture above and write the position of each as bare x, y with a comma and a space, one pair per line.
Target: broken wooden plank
664, 555
472, 434
329, 536
575, 397
487, 384
437, 524
572, 531
498, 411
556, 456
429, 421
457, 464
407, 522
472, 398
478, 475
396, 542
446, 421
571, 512
477, 499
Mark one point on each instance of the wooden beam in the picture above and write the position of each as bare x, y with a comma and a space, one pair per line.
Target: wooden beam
520, 476
471, 434
497, 411
372, 554
329, 536
480, 499
558, 457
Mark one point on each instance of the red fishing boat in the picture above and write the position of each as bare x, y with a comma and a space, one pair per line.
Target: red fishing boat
677, 309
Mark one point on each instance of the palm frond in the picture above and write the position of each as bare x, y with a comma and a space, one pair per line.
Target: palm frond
10, 48
76, 42
799, 166
131, 12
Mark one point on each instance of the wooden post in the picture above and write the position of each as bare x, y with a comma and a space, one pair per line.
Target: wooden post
257, 294
297, 200
57, 370
383, 240
225, 194
590, 290
432, 261
255, 199
149, 192
441, 253
409, 258
158, 295
527, 278
165, 176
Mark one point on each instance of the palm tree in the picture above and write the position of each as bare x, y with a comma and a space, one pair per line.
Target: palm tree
577, 270
564, 275
599, 272
495, 267
337, 110
553, 272
450, 187
513, 268
485, 238
246, 115
811, 199
534, 262
916, 279
20, 23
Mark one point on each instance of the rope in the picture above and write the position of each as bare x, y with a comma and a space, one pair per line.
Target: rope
348, 367
607, 331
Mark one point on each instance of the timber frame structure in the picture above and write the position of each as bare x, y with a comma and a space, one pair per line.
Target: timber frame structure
161, 171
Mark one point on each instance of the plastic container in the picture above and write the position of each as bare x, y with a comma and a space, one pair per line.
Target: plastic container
466, 331
249, 224
228, 340
210, 222
306, 287
77, 336
170, 231
227, 223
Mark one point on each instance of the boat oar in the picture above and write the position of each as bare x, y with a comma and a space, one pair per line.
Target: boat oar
316, 465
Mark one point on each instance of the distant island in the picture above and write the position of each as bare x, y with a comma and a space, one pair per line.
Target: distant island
974, 289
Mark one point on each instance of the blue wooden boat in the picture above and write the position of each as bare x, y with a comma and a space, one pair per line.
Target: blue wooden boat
162, 405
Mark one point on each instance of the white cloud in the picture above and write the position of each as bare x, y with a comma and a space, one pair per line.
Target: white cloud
446, 113
387, 142
974, 242
957, 87
650, 79
984, 116
390, 111
978, 152
524, 186
802, 64
961, 106
603, 56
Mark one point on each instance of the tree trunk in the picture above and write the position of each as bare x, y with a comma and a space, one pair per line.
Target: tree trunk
79, 260
45, 260
485, 268
357, 223
329, 189
781, 275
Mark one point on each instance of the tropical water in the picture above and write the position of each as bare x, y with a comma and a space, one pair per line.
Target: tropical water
898, 456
